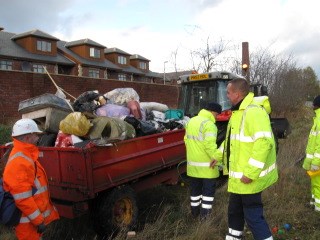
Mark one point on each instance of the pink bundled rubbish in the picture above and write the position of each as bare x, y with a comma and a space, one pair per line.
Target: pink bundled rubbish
112, 110
134, 107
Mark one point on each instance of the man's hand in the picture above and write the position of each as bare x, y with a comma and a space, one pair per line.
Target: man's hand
41, 228
213, 163
245, 179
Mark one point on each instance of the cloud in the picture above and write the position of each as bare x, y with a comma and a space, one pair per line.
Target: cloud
155, 29
21, 16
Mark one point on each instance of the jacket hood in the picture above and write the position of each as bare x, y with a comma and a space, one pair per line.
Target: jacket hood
262, 101
207, 114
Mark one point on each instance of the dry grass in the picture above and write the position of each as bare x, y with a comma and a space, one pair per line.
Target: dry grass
164, 210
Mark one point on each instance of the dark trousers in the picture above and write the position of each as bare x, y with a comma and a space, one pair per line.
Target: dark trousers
249, 208
202, 196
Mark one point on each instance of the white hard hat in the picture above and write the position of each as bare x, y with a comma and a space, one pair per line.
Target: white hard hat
25, 126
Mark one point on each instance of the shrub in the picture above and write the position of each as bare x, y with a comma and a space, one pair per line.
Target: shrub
5, 134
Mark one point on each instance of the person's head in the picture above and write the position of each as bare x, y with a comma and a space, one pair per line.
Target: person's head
214, 108
316, 102
237, 89
26, 130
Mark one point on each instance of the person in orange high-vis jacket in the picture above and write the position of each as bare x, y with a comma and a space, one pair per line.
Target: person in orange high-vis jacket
26, 180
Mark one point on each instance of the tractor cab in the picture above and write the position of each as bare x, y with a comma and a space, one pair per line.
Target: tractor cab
199, 89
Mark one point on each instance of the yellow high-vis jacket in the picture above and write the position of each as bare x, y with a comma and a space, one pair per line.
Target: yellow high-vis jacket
313, 146
200, 140
252, 147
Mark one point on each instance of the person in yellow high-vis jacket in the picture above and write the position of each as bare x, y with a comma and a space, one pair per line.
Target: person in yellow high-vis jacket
312, 161
202, 156
249, 159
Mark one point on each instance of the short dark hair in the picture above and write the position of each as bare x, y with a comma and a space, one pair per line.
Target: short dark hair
241, 85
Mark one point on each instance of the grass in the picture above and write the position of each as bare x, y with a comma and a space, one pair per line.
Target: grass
164, 210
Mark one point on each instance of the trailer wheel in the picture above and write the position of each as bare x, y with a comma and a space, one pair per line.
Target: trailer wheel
114, 211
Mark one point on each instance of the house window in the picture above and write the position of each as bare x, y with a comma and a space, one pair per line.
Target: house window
105, 74
122, 60
37, 68
122, 77
43, 46
142, 65
5, 65
94, 73
95, 53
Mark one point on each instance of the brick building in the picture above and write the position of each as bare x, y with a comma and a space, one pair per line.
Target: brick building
30, 51
76, 67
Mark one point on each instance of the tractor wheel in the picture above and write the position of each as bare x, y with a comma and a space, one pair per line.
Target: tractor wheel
114, 211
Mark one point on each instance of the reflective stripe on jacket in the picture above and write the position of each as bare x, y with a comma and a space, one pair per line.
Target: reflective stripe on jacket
200, 140
313, 146
252, 149
26, 180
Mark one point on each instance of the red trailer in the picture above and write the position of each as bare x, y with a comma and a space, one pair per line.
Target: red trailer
102, 180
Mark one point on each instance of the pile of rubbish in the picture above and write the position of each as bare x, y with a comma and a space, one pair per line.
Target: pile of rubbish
97, 118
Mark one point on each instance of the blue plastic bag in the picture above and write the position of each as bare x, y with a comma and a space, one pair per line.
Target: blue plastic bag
175, 114
9, 214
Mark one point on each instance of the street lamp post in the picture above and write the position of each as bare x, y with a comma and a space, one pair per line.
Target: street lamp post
164, 72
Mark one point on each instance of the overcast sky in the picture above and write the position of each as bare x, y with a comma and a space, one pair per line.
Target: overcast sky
156, 28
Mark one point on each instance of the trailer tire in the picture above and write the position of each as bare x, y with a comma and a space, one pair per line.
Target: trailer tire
114, 211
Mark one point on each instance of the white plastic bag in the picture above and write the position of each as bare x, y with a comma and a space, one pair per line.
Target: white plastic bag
149, 106
121, 96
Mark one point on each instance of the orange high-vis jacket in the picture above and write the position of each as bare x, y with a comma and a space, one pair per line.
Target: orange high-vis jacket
26, 180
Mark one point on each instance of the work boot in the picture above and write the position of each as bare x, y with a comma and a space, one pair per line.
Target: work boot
229, 237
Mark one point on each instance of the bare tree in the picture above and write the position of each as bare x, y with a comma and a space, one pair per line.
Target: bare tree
196, 65
312, 84
174, 56
206, 57
288, 85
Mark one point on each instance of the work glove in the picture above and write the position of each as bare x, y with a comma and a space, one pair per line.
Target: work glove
314, 167
41, 228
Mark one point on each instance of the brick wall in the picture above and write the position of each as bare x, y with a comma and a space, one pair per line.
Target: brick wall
16, 86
